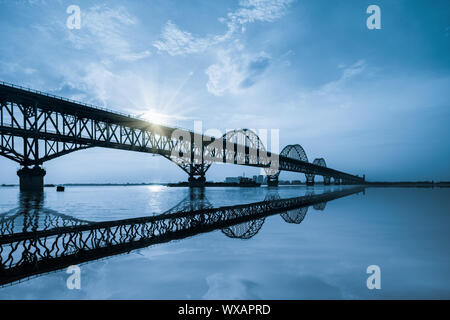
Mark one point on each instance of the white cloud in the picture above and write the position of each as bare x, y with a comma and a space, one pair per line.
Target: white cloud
105, 31
178, 42
134, 56
175, 41
13, 67
259, 10
225, 75
235, 71
333, 88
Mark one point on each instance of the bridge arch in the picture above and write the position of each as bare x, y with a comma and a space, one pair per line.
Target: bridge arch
249, 229
310, 177
295, 216
294, 151
320, 162
197, 167
248, 139
244, 230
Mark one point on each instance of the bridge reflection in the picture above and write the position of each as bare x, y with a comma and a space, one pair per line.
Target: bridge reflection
31, 216
35, 240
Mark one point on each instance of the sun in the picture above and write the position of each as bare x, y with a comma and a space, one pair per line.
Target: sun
156, 117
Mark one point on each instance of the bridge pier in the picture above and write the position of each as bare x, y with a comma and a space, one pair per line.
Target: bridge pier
326, 181
337, 181
272, 181
309, 179
197, 182
31, 179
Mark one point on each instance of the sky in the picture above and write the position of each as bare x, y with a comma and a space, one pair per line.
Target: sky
373, 102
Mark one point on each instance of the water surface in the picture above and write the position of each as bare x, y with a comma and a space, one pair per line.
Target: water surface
402, 230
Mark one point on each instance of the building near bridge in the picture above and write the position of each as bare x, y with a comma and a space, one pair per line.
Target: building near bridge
262, 179
232, 179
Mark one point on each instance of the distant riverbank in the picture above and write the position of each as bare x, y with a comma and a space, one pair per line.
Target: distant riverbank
403, 184
406, 184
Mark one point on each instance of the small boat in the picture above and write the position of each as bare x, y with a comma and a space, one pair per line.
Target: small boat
60, 189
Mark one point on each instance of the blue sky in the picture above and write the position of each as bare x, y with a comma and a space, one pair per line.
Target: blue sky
372, 102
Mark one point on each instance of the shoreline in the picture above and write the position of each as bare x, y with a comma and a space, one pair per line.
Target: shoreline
225, 184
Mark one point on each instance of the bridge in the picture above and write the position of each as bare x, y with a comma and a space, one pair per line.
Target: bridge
37, 240
36, 127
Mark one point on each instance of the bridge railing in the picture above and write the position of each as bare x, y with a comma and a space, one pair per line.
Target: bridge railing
85, 104
89, 105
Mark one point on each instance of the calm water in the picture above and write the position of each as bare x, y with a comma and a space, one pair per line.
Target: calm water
405, 231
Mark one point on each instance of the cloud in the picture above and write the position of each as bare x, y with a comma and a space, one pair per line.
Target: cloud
333, 88
127, 90
255, 68
13, 67
353, 70
134, 56
99, 70
235, 71
175, 41
105, 31
259, 10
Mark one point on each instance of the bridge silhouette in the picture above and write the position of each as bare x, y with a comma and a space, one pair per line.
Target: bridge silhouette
36, 127
35, 240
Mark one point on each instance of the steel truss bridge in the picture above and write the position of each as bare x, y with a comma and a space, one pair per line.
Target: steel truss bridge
48, 241
36, 127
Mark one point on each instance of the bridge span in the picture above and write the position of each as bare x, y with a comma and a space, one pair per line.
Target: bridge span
36, 127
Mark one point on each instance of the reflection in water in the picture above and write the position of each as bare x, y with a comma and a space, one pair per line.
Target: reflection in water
295, 216
196, 200
31, 216
320, 206
48, 241
248, 229
244, 230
